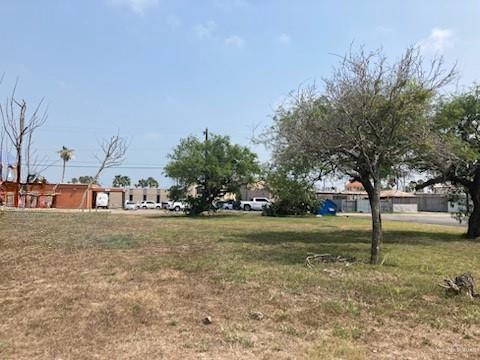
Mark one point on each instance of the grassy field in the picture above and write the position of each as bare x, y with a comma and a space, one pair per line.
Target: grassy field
102, 286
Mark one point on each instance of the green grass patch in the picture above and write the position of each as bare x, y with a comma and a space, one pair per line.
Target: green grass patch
229, 265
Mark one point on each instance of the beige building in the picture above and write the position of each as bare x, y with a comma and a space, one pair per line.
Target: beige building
138, 195
158, 195
259, 189
115, 199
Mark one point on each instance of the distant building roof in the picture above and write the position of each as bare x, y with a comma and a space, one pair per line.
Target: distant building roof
354, 186
395, 193
344, 192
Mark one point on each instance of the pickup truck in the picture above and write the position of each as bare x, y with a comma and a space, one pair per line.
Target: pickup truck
256, 203
177, 206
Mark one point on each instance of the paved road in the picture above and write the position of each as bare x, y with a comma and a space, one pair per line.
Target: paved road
420, 217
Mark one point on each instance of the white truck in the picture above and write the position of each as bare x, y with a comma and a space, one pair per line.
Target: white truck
101, 200
257, 203
177, 205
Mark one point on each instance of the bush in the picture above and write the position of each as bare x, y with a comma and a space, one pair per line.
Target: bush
284, 208
294, 195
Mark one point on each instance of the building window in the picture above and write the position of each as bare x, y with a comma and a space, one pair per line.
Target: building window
158, 198
130, 197
144, 197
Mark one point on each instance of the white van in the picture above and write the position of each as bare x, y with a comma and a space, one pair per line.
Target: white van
102, 200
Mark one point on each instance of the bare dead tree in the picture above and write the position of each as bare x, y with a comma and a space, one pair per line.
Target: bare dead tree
114, 151
18, 127
31, 156
2, 140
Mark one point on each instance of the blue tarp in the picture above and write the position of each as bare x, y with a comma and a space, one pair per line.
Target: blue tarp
328, 207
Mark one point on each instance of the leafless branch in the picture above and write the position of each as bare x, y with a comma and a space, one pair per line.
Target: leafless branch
20, 127
114, 151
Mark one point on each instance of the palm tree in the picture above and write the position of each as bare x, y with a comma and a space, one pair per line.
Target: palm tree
121, 181
66, 155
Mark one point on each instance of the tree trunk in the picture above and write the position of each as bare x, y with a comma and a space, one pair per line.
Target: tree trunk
474, 219
373, 191
18, 147
16, 199
63, 171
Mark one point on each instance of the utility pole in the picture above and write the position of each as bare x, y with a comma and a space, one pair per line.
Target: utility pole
206, 195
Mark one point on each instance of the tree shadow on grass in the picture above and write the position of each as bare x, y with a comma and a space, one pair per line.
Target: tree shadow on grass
291, 247
215, 216
338, 236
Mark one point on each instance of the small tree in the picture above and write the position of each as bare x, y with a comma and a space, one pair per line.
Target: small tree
365, 124
66, 155
87, 179
121, 181
452, 154
215, 166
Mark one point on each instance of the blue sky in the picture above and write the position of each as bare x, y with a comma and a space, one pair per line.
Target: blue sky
159, 70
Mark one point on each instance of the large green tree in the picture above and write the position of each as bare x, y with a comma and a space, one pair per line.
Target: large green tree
365, 123
452, 154
214, 166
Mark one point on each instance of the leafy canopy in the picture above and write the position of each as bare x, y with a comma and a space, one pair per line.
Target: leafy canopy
294, 194
367, 120
453, 152
121, 181
150, 182
214, 167
87, 179
66, 154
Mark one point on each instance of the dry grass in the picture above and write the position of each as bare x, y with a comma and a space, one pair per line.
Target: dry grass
100, 286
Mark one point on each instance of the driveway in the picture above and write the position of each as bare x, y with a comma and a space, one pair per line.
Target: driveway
420, 217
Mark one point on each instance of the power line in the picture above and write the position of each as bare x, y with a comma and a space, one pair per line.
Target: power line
160, 167
127, 164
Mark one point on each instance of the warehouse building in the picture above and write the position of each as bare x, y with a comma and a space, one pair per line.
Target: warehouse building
59, 196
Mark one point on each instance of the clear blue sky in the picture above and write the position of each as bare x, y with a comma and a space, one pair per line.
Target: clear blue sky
159, 70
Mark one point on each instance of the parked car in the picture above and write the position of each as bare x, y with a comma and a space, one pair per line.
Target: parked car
150, 205
257, 203
226, 205
101, 201
177, 205
130, 205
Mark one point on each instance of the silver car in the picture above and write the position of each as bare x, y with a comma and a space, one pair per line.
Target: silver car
130, 205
